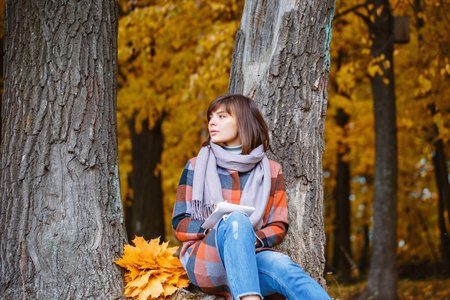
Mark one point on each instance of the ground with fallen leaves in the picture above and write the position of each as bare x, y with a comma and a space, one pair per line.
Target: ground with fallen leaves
430, 289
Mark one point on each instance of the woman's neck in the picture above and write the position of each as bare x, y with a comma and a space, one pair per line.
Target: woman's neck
233, 149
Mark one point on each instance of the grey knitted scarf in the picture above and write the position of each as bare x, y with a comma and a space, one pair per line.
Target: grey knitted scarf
207, 190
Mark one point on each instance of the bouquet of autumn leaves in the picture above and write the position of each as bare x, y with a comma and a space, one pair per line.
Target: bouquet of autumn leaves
152, 270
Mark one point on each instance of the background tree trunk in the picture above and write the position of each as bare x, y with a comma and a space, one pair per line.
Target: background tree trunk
342, 250
281, 59
382, 282
146, 217
440, 168
441, 173
364, 259
61, 219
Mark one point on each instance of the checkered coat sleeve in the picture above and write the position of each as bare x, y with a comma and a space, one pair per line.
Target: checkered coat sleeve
199, 255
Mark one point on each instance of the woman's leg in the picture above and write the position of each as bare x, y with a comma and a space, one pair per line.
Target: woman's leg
236, 245
279, 274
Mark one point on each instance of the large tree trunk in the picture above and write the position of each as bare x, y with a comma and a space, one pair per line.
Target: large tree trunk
382, 282
146, 211
342, 250
61, 214
1, 86
281, 60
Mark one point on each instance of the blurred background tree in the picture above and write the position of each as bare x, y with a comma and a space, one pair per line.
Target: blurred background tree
422, 81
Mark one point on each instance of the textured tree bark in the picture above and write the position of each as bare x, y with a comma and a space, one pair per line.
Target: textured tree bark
147, 214
281, 59
382, 282
342, 250
61, 218
1, 86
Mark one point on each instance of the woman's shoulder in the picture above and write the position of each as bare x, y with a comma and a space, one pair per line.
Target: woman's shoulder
275, 168
191, 163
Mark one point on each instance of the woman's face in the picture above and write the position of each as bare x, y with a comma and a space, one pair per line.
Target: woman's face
223, 128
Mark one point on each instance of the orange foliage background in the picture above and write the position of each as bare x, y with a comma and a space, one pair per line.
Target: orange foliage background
184, 56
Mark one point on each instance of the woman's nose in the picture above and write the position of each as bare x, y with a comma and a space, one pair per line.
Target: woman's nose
212, 121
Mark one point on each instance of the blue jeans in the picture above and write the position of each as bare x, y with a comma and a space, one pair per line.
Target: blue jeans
263, 273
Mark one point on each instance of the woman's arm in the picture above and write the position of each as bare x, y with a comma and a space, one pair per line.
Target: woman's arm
274, 232
184, 228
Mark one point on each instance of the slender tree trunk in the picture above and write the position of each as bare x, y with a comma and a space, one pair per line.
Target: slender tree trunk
364, 260
281, 59
440, 169
146, 211
382, 282
428, 235
61, 219
443, 233
342, 249
441, 173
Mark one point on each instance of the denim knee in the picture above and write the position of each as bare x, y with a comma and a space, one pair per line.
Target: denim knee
239, 217
237, 224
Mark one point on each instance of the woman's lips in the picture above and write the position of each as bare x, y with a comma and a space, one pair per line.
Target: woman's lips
213, 132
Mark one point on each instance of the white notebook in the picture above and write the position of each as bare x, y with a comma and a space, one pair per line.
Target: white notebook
225, 208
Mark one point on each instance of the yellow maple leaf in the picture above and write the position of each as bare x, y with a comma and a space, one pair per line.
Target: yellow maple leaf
379, 10
153, 289
141, 281
134, 272
169, 289
183, 282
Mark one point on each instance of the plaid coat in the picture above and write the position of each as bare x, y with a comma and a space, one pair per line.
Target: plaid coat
199, 255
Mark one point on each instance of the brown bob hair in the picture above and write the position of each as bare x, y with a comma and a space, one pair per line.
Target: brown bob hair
253, 130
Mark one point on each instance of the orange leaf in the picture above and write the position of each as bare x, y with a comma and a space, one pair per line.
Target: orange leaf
153, 289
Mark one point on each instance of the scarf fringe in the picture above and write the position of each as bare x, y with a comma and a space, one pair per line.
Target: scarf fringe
200, 210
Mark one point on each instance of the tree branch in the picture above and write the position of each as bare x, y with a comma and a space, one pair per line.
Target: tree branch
364, 18
354, 8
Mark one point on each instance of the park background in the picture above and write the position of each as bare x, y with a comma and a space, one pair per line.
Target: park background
175, 58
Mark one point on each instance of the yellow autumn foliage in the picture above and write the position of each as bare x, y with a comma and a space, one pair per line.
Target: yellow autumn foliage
152, 272
421, 80
174, 59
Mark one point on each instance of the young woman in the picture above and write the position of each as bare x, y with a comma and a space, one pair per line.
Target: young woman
234, 259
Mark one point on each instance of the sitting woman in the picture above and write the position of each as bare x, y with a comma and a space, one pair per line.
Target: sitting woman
234, 258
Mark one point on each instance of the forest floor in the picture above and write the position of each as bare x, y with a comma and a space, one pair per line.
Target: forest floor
430, 289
